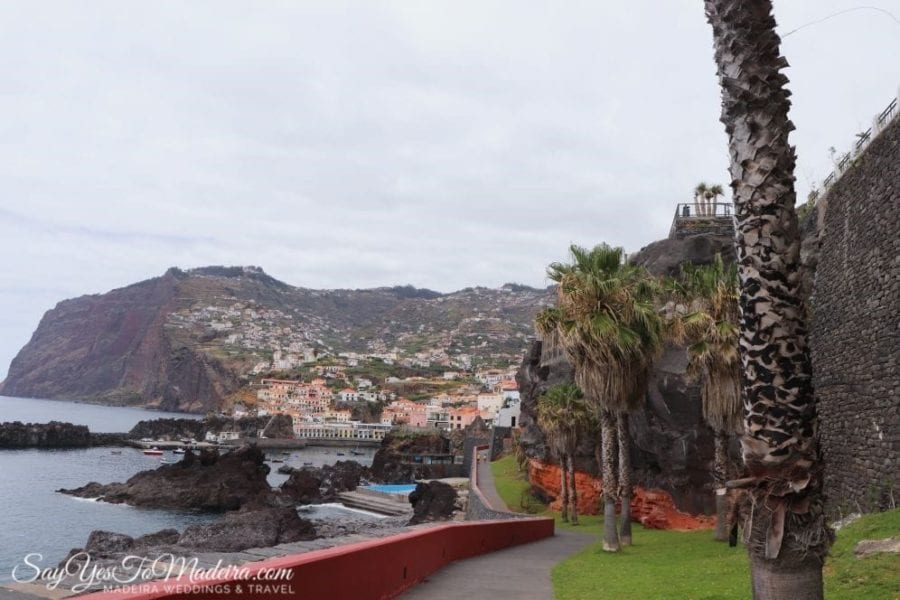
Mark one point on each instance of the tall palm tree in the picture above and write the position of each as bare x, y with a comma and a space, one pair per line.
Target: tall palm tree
786, 532
704, 314
563, 411
606, 321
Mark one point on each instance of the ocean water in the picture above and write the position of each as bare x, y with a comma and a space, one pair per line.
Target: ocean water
36, 519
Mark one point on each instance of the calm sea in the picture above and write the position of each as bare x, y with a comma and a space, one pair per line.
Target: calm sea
36, 519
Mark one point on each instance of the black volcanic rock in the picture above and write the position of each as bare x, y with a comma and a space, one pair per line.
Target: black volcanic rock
665, 257
304, 486
432, 501
248, 529
277, 426
391, 462
44, 435
312, 485
208, 482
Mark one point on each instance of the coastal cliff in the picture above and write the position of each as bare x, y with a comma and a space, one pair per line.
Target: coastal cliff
187, 340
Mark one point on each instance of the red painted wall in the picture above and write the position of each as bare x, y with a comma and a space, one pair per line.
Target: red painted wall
375, 569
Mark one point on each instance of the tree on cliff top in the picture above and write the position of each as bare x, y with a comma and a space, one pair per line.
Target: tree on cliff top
703, 312
787, 535
606, 321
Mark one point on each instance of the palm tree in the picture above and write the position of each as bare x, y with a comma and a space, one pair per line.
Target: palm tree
551, 423
700, 193
565, 416
606, 321
704, 314
786, 532
705, 197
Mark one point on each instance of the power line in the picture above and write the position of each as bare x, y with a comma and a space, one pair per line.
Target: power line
841, 12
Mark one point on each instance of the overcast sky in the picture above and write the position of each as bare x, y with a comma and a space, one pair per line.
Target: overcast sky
442, 144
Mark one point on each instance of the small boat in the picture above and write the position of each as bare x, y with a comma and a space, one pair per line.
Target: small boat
285, 453
166, 461
341, 454
356, 453
307, 464
178, 451
153, 452
276, 460
116, 452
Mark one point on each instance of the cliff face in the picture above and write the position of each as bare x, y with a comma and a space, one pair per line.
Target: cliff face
114, 348
183, 341
673, 447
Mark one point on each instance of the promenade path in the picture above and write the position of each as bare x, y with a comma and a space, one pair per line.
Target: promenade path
519, 573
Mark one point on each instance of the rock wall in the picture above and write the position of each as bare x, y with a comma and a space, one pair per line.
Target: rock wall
855, 328
652, 508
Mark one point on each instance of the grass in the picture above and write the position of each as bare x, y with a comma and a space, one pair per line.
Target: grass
691, 566
873, 577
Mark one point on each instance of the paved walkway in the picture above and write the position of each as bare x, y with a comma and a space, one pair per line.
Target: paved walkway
518, 573
486, 485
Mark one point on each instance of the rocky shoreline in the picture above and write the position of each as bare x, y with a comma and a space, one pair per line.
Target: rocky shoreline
16, 435
254, 514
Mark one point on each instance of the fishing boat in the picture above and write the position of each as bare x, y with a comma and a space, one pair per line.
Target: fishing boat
153, 452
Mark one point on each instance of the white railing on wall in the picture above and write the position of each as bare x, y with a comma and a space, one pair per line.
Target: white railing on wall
844, 161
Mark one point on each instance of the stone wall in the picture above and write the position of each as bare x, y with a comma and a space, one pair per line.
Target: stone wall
855, 328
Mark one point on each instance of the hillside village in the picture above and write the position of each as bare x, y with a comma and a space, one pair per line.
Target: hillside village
331, 403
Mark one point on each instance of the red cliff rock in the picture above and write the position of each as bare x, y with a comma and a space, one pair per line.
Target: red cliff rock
651, 508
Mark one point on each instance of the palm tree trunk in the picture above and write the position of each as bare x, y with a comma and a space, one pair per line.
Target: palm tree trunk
788, 537
720, 475
573, 492
625, 490
563, 488
610, 489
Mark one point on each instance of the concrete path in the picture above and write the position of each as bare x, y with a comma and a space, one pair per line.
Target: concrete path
518, 573
486, 485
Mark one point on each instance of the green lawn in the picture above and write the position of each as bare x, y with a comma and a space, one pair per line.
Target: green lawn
690, 565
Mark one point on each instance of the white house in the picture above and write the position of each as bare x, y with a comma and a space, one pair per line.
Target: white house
508, 416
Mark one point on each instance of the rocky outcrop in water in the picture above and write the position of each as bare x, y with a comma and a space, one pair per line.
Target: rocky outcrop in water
433, 501
44, 435
206, 482
277, 426
311, 485
393, 462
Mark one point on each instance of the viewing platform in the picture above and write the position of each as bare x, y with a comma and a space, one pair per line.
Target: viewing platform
693, 218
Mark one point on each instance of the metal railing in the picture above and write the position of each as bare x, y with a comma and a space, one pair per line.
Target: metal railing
863, 139
702, 210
